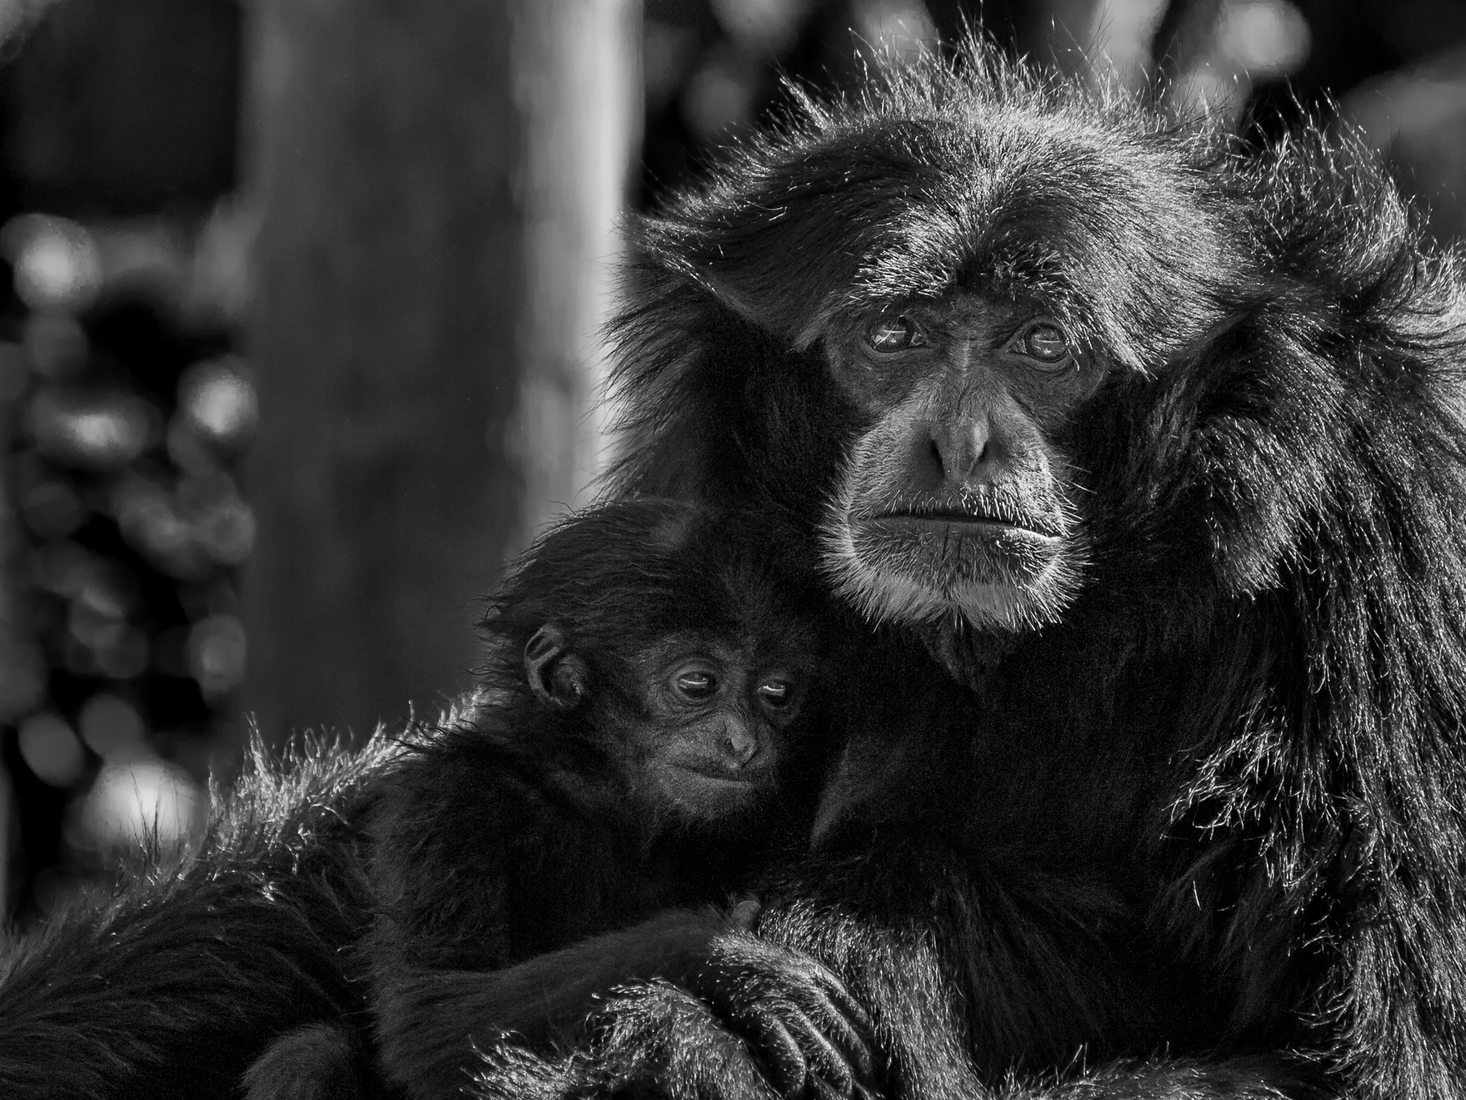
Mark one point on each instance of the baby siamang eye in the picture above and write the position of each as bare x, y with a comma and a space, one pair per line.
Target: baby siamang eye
1044, 342
776, 693
894, 334
695, 685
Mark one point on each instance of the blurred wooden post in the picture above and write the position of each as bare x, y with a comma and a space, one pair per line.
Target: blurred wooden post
438, 187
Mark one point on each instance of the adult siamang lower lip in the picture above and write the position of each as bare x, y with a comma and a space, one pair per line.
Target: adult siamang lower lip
960, 524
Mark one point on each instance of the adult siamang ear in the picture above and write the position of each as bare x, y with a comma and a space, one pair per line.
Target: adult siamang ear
557, 677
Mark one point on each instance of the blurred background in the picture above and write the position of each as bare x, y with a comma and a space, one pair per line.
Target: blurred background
298, 315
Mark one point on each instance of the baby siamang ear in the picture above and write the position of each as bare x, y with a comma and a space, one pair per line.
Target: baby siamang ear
557, 677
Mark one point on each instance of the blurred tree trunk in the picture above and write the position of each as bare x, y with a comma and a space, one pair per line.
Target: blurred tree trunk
438, 187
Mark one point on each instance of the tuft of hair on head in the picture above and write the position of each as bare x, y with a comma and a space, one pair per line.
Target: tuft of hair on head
617, 576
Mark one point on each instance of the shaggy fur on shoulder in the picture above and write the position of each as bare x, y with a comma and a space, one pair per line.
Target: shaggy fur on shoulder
169, 983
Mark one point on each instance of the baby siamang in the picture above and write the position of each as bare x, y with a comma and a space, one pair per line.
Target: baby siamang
1155, 445
647, 735
646, 739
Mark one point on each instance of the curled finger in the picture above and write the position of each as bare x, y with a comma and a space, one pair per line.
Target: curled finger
827, 1064
780, 1054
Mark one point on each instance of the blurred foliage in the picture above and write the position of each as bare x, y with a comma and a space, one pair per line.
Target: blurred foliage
126, 416
125, 410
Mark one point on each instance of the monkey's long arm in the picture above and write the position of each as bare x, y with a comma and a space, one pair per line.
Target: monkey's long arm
1036, 972
928, 1039
429, 1020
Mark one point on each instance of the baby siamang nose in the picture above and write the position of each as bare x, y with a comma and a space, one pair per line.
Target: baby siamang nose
739, 743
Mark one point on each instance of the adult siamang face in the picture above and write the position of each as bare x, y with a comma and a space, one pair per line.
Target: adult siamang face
956, 500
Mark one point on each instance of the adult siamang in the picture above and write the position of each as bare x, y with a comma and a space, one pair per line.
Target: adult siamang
1155, 446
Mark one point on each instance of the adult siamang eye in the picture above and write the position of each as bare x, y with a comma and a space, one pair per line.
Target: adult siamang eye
894, 334
776, 693
695, 685
1044, 342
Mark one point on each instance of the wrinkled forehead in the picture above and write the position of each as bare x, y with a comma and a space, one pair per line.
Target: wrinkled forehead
961, 311
919, 203
1103, 231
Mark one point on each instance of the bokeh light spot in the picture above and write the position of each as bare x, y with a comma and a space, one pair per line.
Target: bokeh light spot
143, 800
219, 402
50, 748
112, 727
92, 431
216, 650
52, 509
1267, 38
55, 260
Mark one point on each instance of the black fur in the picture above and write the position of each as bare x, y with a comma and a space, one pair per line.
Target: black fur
507, 844
1202, 836
491, 873
170, 983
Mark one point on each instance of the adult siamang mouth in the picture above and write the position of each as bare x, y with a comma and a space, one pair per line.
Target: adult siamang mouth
940, 548
961, 525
